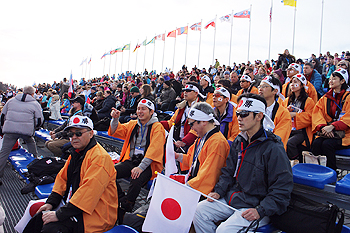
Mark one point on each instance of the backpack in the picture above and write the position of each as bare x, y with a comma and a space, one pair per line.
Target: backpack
304, 215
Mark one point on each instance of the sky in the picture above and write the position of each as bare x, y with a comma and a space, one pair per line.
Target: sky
45, 41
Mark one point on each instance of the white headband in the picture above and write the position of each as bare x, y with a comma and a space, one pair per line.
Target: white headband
246, 78
295, 66
223, 91
206, 78
343, 73
268, 81
147, 103
198, 115
302, 79
191, 87
254, 105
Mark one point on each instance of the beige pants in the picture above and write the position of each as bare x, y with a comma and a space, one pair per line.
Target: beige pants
55, 146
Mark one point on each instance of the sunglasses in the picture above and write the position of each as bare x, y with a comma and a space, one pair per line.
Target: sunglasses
342, 64
192, 123
243, 81
78, 133
218, 85
243, 114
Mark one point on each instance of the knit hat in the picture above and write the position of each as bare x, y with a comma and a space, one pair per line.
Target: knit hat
168, 83
135, 89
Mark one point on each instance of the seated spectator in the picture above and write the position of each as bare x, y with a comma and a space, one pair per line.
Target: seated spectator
205, 83
270, 89
146, 92
55, 108
92, 93
293, 70
142, 152
208, 154
235, 84
255, 79
183, 134
86, 183
98, 101
314, 78
128, 111
300, 108
279, 75
159, 86
168, 94
126, 95
246, 85
65, 106
261, 72
108, 104
248, 182
331, 117
225, 113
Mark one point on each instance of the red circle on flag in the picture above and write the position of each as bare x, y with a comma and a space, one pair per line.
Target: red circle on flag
34, 208
76, 120
171, 209
240, 103
143, 101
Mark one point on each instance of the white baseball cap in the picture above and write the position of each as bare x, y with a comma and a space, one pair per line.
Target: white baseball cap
80, 122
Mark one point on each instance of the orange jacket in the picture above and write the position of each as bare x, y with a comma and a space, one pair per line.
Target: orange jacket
211, 159
304, 119
97, 195
254, 90
283, 124
320, 116
311, 91
155, 150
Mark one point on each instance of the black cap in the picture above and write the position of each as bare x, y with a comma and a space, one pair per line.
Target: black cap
80, 99
168, 83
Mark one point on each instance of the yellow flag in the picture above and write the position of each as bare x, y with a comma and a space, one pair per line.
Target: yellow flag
290, 3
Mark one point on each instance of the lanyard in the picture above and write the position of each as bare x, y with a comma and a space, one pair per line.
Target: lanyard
77, 112
143, 133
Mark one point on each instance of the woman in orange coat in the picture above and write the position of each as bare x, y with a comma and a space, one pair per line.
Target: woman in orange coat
300, 107
330, 117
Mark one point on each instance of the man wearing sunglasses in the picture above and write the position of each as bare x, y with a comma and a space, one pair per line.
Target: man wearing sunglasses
257, 179
225, 113
183, 134
269, 88
142, 152
246, 85
208, 154
86, 183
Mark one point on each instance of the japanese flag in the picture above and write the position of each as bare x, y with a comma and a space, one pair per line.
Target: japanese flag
172, 207
170, 163
30, 211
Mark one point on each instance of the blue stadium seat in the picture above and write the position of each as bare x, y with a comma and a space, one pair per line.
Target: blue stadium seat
122, 229
43, 134
343, 185
345, 229
269, 228
344, 152
43, 191
171, 113
105, 134
58, 122
313, 175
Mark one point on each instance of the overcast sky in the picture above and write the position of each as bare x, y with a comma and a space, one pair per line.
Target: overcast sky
43, 41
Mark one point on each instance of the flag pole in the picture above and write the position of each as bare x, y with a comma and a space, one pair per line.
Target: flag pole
321, 27
270, 30
144, 57
295, 12
137, 51
214, 39
86, 68
229, 56
174, 51
163, 51
115, 67
121, 66
154, 50
104, 64
110, 62
129, 56
186, 45
82, 69
90, 66
250, 21
200, 38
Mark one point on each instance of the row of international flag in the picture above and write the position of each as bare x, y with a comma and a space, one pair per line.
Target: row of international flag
184, 30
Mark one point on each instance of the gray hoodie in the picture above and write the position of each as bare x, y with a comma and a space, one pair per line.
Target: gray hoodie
21, 115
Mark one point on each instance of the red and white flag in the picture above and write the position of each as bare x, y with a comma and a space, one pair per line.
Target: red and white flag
172, 33
196, 26
172, 207
210, 23
170, 163
30, 211
70, 89
160, 37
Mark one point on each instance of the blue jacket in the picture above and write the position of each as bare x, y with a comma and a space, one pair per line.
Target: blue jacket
316, 80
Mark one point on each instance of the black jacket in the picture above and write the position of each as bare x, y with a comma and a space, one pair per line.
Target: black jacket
107, 105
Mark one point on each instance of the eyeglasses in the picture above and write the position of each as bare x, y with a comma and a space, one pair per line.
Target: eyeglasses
243, 114
219, 85
263, 86
191, 123
342, 64
78, 133
217, 95
243, 81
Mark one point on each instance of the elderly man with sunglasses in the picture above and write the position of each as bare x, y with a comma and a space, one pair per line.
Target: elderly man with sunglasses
257, 180
208, 154
225, 113
86, 184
